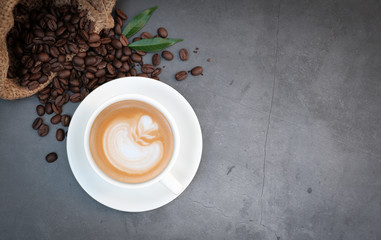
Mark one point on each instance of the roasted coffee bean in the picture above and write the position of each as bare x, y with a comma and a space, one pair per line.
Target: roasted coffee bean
73, 48
136, 57
78, 61
43, 97
84, 93
51, 157
133, 72
145, 35
92, 69
127, 51
156, 59
147, 68
102, 65
38, 33
181, 75
184, 55
156, 72
43, 57
141, 53
89, 75
61, 42
118, 53
40, 110
60, 30
64, 73
143, 75
116, 44
90, 60
117, 63
37, 123
61, 58
60, 134
100, 73
52, 25
46, 67
59, 101
57, 110
120, 14
43, 130
75, 97
84, 35
162, 32
55, 119
106, 40
35, 76
94, 37
48, 108
118, 29
95, 44
197, 71
65, 120
136, 39
33, 85
156, 78
123, 40
110, 68
167, 55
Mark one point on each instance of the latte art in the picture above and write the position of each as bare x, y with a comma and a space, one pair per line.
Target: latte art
131, 141
133, 146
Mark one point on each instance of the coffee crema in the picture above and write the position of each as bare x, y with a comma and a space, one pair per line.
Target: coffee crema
131, 141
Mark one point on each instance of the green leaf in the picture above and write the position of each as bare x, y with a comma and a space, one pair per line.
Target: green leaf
153, 44
138, 22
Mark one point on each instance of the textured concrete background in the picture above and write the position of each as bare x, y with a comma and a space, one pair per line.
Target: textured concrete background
290, 107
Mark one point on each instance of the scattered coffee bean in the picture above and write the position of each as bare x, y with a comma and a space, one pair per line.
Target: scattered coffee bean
94, 37
156, 59
197, 71
183, 53
136, 57
181, 75
37, 123
51, 157
40, 110
162, 32
156, 72
60, 100
145, 35
60, 134
120, 14
43, 130
116, 44
167, 55
48, 108
65, 120
123, 40
55, 119
147, 68
43, 57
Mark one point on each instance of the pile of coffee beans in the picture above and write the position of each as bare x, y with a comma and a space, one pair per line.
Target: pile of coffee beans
59, 43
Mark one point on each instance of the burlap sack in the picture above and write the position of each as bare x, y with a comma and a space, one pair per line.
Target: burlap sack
98, 12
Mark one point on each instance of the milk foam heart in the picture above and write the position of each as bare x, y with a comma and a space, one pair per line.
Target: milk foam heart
132, 145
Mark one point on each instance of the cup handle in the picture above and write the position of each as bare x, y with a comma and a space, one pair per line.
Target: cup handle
172, 184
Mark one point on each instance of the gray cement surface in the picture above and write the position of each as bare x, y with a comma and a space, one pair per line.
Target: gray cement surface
290, 108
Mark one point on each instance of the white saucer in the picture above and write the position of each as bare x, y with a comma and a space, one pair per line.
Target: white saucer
153, 196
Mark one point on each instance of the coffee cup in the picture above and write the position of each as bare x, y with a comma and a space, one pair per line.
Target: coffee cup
132, 141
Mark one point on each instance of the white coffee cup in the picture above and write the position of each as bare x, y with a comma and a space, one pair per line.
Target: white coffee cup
165, 177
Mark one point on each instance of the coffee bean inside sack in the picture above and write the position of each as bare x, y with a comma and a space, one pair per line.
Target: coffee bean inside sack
59, 44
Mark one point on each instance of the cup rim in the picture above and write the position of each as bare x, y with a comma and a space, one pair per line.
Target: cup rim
152, 102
